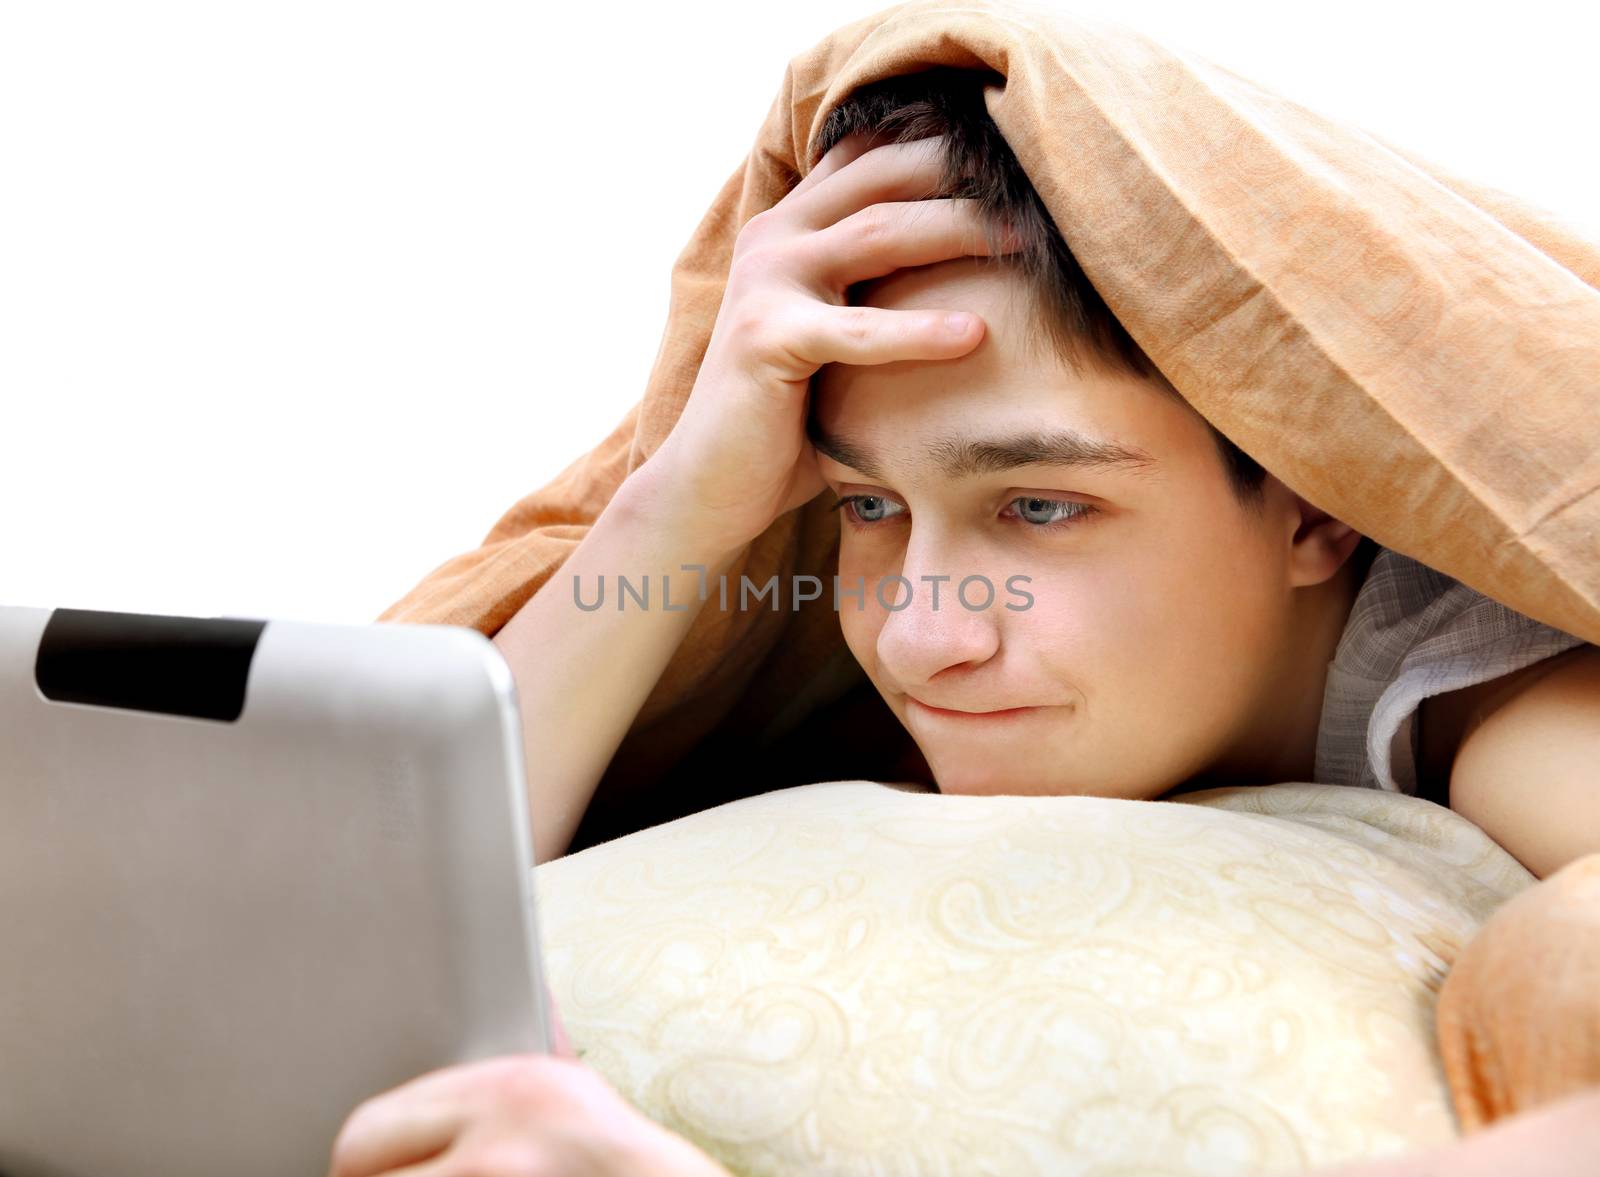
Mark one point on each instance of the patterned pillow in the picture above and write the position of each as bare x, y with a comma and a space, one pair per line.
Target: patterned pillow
860, 978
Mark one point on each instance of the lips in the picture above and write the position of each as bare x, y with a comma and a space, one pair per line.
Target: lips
959, 713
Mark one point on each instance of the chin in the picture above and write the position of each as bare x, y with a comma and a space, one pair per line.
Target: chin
985, 781
988, 782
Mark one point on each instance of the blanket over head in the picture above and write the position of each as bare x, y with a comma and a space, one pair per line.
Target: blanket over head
1414, 353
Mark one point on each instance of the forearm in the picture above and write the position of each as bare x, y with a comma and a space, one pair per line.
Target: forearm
583, 674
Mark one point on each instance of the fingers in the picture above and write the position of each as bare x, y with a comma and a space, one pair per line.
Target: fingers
849, 148
875, 335
386, 1132
882, 238
871, 214
425, 1116
894, 171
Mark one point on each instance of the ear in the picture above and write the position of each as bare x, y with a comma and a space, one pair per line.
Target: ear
1319, 544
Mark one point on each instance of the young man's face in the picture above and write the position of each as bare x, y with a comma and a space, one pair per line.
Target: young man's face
1159, 622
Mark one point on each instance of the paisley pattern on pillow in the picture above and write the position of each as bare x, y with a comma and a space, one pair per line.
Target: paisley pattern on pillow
861, 978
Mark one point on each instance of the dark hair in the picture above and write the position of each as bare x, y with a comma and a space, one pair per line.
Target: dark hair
1075, 324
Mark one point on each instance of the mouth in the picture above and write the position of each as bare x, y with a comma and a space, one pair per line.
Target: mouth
970, 716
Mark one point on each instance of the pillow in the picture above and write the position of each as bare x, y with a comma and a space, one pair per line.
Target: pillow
860, 978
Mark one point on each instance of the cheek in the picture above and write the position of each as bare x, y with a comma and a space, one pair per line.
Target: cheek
860, 619
1090, 625
1196, 613
1161, 622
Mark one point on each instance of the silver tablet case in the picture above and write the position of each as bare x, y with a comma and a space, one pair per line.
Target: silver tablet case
218, 937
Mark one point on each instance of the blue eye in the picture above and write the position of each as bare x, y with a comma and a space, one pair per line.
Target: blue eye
853, 516
1065, 512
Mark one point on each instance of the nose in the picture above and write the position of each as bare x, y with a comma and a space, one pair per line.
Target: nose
932, 623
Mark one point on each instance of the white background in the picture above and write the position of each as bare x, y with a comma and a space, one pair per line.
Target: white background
297, 298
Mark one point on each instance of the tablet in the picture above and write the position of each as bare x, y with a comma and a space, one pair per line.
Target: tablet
252, 872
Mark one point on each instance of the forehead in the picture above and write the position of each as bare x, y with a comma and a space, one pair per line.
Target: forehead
1006, 383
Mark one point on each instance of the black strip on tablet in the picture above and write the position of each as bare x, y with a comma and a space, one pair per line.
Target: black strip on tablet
194, 666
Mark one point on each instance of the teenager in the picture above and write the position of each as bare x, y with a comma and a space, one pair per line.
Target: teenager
1192, 621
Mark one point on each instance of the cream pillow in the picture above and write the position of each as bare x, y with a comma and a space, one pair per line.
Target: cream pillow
859, 978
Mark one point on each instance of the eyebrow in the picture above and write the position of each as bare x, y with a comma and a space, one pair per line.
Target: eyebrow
963, 457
